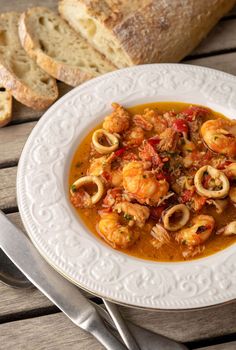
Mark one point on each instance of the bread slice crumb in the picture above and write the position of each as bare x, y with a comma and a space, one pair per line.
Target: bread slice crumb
19, 74
58, 49
5, 107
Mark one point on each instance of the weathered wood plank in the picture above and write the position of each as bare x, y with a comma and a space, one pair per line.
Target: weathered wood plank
22, 113
22, 5
20, 301
58, 332
48, 332
226, 62
222, 37
8, 188
225, 346
12, 140
15, 301
187, 326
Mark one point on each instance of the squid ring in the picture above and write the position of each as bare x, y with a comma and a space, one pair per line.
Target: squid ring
228, 230
86, 180
215, 174
175, 226
112, 139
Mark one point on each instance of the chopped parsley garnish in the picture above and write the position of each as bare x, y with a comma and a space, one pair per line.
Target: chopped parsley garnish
73, 188
78, 164
128, 216
166, 166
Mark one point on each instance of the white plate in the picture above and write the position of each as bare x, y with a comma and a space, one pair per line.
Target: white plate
54, 226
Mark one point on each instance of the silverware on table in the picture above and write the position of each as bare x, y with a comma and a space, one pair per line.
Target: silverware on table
10, 274
60, 291
121, 326
68, 297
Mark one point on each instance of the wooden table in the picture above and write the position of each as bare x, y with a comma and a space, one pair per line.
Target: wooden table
28, 320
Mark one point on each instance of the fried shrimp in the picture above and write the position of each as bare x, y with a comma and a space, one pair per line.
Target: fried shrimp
150, 120
142, 184
135, 213
117, 121
220, 136
198, 232
133, 137
116, 234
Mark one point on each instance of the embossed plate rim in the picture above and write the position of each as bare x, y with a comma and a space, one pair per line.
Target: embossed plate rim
52, 224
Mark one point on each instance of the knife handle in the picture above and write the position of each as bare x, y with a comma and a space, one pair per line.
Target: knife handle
98, 329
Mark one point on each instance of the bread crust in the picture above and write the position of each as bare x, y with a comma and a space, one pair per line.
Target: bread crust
6, 117
155, 30
73, 76
21, 91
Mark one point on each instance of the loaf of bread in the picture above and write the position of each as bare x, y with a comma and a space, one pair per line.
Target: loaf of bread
19, 74
5, 107
144, 31
58, 49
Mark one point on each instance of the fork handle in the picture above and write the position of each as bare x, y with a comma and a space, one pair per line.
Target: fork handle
121, 326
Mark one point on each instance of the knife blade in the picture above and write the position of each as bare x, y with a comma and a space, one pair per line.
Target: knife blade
60, 291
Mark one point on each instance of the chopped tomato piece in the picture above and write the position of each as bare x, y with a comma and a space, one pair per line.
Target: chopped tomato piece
180, 125
187, 195
106, 175
160, 176
154, 141
194, 112
155, 213
120, 152
198, 202
224, 165
148, 153
206, 180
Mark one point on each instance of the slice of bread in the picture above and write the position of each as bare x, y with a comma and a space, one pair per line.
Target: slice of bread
143, 31
58, 49
19, 74
5, 107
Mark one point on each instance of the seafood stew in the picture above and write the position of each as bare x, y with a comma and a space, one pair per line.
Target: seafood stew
157, 181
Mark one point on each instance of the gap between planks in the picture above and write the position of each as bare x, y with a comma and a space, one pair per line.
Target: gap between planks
58, 332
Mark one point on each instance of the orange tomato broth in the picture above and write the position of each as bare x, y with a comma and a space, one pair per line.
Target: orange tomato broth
142, 248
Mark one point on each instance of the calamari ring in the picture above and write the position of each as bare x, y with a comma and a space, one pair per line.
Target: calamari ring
182, 221
215, 174
86, 180
228, 230
112, 139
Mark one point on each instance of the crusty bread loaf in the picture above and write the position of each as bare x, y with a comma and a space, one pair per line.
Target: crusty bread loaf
144, 31
5, 107
58, 49
19, 74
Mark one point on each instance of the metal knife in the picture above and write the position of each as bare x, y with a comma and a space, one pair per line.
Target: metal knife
61, 292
